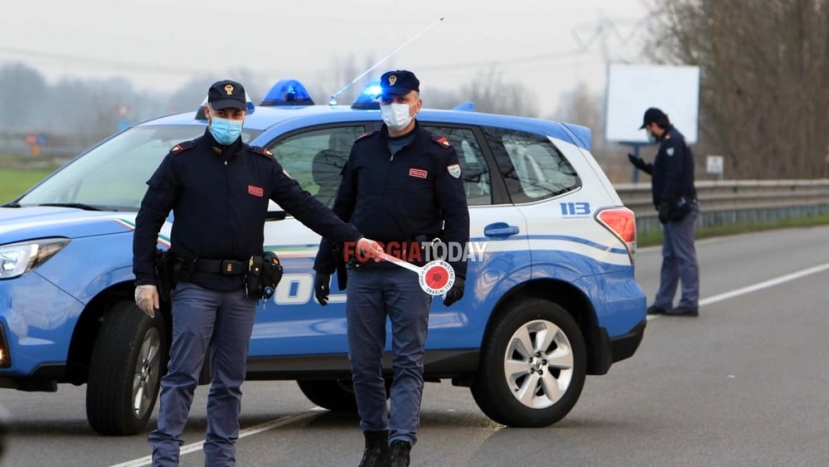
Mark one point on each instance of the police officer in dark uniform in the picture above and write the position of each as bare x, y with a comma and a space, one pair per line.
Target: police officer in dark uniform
675, 197
401, 184
218, 188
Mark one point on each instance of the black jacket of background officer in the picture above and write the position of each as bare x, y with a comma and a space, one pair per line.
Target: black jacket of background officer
386, 200
219, 197
672, 170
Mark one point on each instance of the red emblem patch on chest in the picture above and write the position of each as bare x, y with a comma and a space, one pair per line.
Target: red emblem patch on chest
255, 191
419, 173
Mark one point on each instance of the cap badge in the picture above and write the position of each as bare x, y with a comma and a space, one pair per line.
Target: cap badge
392, 80
229, 89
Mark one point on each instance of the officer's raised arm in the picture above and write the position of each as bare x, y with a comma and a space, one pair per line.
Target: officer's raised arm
311, 212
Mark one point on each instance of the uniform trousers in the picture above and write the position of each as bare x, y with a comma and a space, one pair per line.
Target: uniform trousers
202, 318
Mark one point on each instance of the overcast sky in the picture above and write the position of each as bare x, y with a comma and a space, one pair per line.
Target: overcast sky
161, 44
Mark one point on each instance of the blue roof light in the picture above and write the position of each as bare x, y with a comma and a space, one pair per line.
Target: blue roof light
367, 99
287, 92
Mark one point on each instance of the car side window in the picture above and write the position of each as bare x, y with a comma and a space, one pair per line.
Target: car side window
532, 167
316, 157
474, 169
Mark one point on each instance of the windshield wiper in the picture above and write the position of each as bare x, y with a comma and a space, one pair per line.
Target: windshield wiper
11, 205
85, 207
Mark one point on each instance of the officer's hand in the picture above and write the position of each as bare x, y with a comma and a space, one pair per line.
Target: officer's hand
321, 288
146, 297
664, 209
637, 161
455, 293
370, 249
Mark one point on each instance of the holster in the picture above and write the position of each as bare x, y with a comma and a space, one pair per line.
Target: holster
342, 274
164, 274
263, 275
182, 265
680, 209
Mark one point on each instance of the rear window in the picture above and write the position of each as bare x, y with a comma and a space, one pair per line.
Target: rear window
532, 167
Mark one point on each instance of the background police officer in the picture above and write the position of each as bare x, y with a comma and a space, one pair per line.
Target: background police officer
218, 188
675, 197
400, 184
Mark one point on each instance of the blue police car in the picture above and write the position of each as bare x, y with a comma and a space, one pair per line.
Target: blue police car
551, 295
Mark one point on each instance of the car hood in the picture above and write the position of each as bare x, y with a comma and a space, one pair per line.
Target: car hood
19, 224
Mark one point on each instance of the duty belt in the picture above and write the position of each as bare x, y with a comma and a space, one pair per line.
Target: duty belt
226, 267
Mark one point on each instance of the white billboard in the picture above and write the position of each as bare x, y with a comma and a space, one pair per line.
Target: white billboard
631, 89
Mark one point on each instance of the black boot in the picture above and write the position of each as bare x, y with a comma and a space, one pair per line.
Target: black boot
400, 454
376, 453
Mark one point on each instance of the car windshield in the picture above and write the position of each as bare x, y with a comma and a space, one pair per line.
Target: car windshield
113, 176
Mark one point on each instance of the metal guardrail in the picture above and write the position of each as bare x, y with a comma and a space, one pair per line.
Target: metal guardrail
736, 202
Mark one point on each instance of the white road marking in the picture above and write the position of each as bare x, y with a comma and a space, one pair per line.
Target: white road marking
758, 286
188, 448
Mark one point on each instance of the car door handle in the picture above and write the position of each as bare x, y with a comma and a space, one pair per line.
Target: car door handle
500, 229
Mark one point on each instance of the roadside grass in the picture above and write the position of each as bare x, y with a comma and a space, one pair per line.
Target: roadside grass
655, 238
13, 182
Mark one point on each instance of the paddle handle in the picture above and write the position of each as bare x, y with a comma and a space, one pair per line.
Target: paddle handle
400, 262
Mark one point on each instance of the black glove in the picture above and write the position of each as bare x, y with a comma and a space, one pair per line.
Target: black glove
638, 162
455, 293
664, 209
321, 289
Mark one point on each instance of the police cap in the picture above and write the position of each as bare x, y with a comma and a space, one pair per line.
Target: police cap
226, 95
652, 115
399, 83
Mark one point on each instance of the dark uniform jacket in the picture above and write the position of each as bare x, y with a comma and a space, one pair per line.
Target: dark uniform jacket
418, 191
672, 170
219, 197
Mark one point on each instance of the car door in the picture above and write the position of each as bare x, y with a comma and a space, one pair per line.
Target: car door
498, 248
292, 322
546, 187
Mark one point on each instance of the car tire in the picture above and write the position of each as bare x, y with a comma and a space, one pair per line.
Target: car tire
518, 388
128, 360
335, 395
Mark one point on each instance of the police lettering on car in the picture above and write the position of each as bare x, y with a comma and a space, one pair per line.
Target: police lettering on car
401, 185
218, 188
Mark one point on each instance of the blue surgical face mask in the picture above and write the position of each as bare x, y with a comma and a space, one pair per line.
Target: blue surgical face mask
225, 130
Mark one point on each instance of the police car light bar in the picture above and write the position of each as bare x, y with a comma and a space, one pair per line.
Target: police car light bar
287, 92
368, 97
248, 106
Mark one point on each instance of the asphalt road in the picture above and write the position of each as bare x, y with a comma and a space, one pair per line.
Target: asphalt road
742, 385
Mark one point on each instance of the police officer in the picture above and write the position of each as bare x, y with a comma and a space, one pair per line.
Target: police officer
674, 196
218, 188
401, 184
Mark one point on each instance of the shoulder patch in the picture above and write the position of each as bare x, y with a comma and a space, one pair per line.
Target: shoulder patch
441, 140
669, 151
367, 134
181, 147
261, 151
454, 170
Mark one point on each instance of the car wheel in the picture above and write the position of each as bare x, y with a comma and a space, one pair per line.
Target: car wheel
335, 395
533, 366
125, 371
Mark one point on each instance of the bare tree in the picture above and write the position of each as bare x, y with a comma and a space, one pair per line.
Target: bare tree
583, 107
492, 94
763, 99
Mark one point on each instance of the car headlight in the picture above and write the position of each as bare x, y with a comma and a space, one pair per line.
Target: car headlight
17, 259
